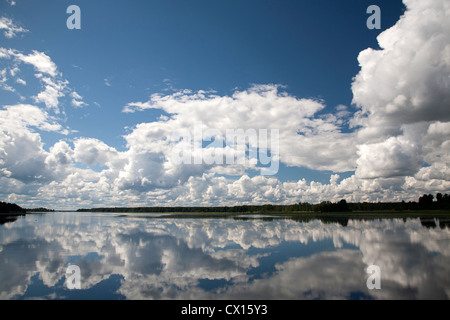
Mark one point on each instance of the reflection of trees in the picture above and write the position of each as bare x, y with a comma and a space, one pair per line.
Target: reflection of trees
6, 219
9, 212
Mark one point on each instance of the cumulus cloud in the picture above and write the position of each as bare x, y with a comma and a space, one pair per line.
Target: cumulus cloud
150, 164
402, 96
17, 117
51, 94
391, 158
21, 150
320, 142
92, 152
408, 81
403, 93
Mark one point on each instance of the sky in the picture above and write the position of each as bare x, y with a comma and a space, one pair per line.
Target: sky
96, 115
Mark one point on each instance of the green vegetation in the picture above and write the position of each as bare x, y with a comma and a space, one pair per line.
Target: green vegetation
10, 208
40, 210
425, 203
429, 209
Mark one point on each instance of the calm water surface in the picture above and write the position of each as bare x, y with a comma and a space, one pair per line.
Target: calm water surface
151, 257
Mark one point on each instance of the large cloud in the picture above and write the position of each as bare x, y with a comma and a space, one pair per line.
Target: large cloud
403, 92
21, 150
320, 143
407, 81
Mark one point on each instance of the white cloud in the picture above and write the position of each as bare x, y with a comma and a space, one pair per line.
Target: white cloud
3, 81
51, 94
54, 86
76, 96
21, 81
77, 100
408, 79
320, 143
403, 92
391, 158
59, 161
10, 28
17, 117
40, 61
413, 258
93, 151
22, 156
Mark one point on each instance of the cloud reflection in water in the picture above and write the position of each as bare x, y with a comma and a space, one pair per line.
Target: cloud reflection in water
164, 258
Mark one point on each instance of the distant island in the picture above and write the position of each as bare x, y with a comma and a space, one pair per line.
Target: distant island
40, 210
426, 202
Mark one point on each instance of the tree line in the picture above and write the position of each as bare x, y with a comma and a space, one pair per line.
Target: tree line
10, 208
426, 202
14, 208
39, 210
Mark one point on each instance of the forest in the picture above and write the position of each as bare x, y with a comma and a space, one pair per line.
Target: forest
10, 208
425, 202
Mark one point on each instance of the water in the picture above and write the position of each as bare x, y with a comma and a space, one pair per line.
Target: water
157, 257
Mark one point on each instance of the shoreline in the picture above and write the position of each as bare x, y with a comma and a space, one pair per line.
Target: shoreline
12, 214
367, 214
424, 214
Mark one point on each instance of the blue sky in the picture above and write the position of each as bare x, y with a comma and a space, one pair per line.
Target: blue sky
127, 52
143, 47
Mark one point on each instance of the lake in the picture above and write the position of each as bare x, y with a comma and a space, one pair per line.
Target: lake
151, 256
